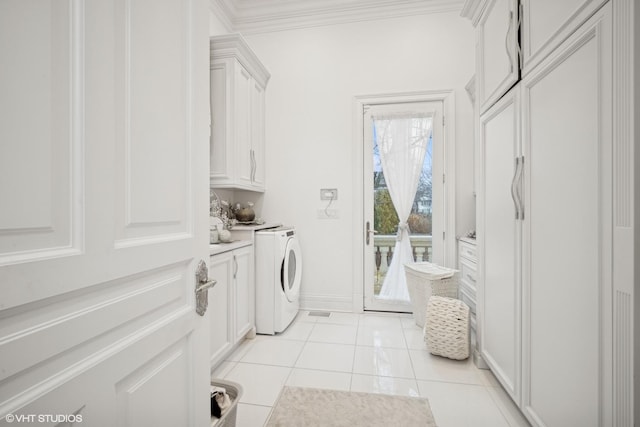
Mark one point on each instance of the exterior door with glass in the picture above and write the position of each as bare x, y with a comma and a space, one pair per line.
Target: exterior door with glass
403, 197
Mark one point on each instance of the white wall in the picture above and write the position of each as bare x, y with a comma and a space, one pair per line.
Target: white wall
216, 25
315, 74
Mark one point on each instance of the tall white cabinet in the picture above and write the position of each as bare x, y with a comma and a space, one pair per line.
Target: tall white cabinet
238, 84
499, 232
567, 264
545, 212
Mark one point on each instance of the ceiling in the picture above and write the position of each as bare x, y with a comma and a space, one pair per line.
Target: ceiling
256, 16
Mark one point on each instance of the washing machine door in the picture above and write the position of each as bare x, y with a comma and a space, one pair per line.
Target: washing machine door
291, 270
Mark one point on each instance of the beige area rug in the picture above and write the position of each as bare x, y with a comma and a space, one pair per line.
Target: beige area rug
301, 406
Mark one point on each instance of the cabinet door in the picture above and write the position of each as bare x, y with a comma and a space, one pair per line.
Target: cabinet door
497, 58
221, 335
244, 291
257, 135
546, 23
242, 127
499, 241
567, 274
221, 93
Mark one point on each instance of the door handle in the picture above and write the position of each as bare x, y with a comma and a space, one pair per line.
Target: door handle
507, 41
369, 232
202, 287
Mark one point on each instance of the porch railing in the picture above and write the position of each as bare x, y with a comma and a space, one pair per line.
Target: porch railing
384, 245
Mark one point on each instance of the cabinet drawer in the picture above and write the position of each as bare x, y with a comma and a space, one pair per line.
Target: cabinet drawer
468, 274
464, 296
472, 321
467, 250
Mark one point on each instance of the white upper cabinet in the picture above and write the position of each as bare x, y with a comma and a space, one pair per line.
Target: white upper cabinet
546, 23
257, 133
497, 62
238, 83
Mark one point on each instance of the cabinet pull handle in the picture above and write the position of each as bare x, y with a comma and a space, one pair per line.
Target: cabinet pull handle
255, 165
513, 188
252, 156
520, 181
518, 46
507, 41
235, 266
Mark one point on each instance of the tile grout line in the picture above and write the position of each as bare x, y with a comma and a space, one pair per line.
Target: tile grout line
353, 359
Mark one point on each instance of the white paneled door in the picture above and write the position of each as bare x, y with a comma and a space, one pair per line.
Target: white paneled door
103, 211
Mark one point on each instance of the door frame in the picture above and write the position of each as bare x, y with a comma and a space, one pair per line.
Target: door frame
447, 97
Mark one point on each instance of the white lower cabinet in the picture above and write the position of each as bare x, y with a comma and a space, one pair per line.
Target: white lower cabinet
544, 234
467, 264
221, 337
243, 292
231, 300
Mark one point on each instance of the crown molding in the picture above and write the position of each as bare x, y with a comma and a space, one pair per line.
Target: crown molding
234, 46
259, 16
472, 9
224, 11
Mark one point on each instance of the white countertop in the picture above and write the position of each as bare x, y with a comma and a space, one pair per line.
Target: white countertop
469, 240
218, 248
255, 227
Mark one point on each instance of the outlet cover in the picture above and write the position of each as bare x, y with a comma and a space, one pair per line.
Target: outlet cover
328, 194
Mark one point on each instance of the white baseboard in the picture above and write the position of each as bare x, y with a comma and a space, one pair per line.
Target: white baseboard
326, 302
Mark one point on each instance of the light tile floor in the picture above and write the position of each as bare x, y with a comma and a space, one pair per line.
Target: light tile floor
371, 352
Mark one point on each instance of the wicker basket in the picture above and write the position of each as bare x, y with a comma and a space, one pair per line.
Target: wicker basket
422, 285
234, 390
446, 328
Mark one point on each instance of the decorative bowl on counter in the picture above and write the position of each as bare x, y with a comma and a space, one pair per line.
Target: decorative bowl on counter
244, 214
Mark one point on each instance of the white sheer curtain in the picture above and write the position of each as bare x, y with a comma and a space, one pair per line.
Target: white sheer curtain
402, 141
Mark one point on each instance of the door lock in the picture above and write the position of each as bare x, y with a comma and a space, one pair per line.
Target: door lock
202, 288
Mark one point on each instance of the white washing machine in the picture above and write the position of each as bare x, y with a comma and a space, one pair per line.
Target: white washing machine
278, 276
